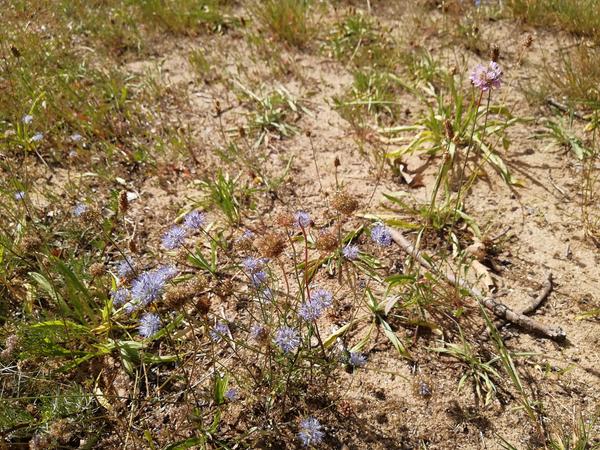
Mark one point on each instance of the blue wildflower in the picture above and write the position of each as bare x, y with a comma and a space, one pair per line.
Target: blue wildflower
27, 119
257, 332
310, 310
287, 339
75, 137
166, 272
321, 296
149, 325
120, 296
37, 137
310, 431
258, 278
302, 219
350, 252
195, 220
219, 331
381, 235
252, 264
147, 287
19, 195
232, 394
125, 268
79, 209
174, 238
357, 359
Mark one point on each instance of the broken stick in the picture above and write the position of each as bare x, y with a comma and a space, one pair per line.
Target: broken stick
500, 310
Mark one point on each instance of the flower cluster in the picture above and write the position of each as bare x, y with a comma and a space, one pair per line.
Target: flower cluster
149, 325
310, 431
381, 235
287, 339
312, 309
486, 78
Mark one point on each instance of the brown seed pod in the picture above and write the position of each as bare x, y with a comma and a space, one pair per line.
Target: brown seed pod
271, 245
30, 242
344, 203
97, 269
327, 241
285, 220
123, 202
203, 305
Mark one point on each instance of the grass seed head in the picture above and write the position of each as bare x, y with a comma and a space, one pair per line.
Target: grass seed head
344, 203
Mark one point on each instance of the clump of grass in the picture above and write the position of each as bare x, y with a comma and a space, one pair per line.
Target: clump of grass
287, 20
580, 17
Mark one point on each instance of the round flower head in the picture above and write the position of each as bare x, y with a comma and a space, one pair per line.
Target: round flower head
287, 339
258, 278
350, 252
302, 219
174, 238
75, 137
310, 310
231, 394
321, 296
125, 268
120, 296
79, 209
27, 119
166, 272
219, 331
258, 332
19, 195
149, 325
252, 264
486, 78
310, 431
195, 220
37, 137
381, 235
357, 359
147, 287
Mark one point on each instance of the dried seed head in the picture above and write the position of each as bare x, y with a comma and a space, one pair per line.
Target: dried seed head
123, 202
223, 289
271, 245
495, 53
132, 246
10, 346
97, 270
337, 162
203, 305
327, 241
285, 220
344, 203
30, 242
528, 41
176, 296
449, 129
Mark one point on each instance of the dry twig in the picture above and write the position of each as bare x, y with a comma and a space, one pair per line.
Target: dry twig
500, 310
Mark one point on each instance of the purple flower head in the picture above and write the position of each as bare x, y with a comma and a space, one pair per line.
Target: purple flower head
19, 195
310, 431
147, 287
257, 331
75, 137
252, 264
120, 296
173, 238
302, 219
357, 359
287, 339
232, 394
486, 78
79, 209
259, 278
125, 268
37, 137
195, 220
149, 325
219, 331
166, 272
266, 295
321, 296
27, 119
350, 252
381, 235
310, 310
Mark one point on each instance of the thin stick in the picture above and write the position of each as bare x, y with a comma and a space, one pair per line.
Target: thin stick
499, 309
